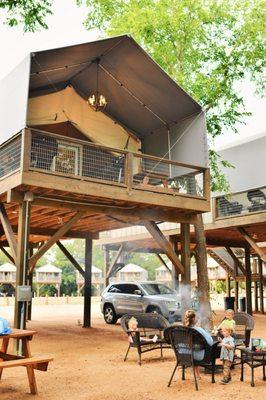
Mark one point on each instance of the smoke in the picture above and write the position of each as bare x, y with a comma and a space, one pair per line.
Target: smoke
189, 297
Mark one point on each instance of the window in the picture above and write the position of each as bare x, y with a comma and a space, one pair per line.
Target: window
157, 289
115, 289
128, 288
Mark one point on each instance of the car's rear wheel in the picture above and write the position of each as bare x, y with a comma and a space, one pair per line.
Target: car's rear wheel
109, 314
154, 310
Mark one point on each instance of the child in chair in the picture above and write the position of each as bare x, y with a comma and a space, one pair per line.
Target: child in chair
227, 322
133, 327
227, 353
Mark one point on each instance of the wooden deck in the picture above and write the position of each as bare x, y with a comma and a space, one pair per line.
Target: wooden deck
107, 185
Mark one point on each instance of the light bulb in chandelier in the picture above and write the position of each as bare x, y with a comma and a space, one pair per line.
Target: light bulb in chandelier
97, 102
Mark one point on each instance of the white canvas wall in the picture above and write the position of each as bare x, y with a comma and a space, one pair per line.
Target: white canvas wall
249, 161
13, 100
188, 141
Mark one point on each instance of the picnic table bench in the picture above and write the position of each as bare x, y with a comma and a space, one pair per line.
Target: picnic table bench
39, 362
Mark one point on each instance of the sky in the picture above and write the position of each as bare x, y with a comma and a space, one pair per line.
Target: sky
66, 28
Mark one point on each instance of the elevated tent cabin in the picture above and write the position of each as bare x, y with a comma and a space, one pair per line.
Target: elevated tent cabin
130, 272
48, 275
7, 278
96, 281
94, 137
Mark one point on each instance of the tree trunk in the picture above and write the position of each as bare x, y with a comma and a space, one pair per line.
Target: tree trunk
205, 313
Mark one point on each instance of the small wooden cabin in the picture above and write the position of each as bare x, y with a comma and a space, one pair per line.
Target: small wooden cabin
48, 275
94, 137
8, 274
96, 280
130, 273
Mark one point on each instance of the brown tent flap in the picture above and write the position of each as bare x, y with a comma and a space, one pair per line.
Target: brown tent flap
67, 106
140, 95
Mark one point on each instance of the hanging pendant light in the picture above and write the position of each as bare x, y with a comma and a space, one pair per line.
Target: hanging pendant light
97, 101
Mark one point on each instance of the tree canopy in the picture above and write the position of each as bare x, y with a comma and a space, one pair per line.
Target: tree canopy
30, 13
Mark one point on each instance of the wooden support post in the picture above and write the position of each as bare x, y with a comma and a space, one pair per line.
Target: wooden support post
236, 285
248, 281
106, 265
30, 283
87, 283
261, 285
174, 273
185, 260
185, 253
29, 305
256, 303
22, 262
228, 285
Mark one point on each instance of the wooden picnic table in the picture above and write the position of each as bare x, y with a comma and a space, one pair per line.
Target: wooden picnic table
24, 359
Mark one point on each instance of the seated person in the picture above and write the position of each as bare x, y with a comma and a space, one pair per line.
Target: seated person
190, 322
227, 322
133, 327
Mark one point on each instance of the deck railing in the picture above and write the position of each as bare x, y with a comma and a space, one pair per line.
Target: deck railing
80, 159
241, 203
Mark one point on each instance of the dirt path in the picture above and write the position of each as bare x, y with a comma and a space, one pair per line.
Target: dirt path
88, 364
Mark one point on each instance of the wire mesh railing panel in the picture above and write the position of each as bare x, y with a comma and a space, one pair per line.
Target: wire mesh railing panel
253, 200
103, 165
67, 157
10, 156
160, 174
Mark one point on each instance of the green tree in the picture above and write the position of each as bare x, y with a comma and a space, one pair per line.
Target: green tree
30, 13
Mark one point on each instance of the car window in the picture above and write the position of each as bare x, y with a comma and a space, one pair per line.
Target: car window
157, 288
115, 289
128, 288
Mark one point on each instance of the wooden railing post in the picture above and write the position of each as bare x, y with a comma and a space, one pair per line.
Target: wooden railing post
129, 171
206, 184
26, 150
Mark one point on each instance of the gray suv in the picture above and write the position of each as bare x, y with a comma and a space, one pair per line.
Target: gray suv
133, 297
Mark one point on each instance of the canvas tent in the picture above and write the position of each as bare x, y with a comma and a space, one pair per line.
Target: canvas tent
143, 101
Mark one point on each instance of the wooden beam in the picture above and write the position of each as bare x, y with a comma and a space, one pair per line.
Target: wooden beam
116, 192
8, 231
6, 253
87, 284
252, 243
236, 260
248, 280
58, 235
163, 262
164, 244
70, 258
112, 267
46, 232
133, 212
